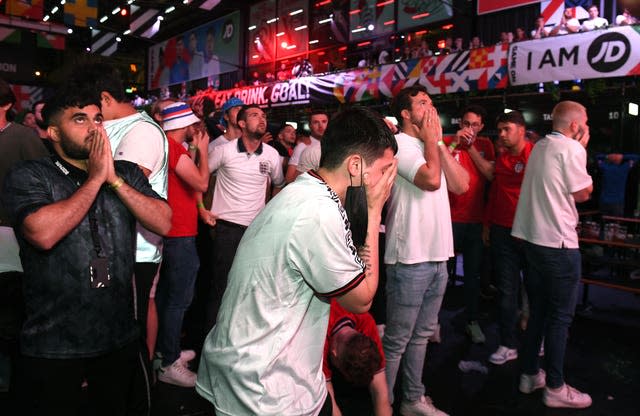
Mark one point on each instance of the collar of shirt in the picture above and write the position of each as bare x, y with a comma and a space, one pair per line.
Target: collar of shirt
242, 149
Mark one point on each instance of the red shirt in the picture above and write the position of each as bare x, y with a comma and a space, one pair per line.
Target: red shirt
505, 189
181, 197
361, 322
469, 207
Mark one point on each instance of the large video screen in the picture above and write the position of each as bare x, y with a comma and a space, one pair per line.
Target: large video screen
204, 52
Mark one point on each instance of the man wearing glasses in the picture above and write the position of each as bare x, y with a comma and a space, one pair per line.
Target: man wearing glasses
476, 155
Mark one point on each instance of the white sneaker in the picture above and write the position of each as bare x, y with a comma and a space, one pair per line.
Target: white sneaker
566, 396
177, 374
529, 384
503, 354
422, 407
186, 356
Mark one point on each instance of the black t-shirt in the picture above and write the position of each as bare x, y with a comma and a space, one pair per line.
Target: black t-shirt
65, 317
282, 150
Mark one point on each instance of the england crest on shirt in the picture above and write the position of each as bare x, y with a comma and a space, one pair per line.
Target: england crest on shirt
519, 167
264, 167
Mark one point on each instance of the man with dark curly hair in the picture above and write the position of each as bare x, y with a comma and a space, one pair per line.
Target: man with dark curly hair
353, 353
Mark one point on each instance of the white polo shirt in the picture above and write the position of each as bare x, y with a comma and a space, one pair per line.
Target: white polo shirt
264, 356
418, 223
242, 178
546, 214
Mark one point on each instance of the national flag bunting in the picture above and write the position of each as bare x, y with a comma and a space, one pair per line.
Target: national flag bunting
81, 13
30, 9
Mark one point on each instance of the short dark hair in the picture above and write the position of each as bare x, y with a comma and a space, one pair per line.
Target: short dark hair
6, 93
475, 109
100, 77
514, 117
402, 100
359, 360
318, 112
68, 95
356, 130
242, 114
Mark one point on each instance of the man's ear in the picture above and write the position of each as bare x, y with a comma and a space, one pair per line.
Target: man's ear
354, 165
53, 133
106, 98
406, 114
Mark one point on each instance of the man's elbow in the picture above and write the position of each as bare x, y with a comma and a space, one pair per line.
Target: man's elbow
162, 222
430, 184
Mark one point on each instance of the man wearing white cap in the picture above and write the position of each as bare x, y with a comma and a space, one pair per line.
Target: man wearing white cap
180, 265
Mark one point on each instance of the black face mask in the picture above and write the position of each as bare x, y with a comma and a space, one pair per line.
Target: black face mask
355, 205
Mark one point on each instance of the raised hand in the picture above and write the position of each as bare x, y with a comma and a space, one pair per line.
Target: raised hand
429, 128
378, 193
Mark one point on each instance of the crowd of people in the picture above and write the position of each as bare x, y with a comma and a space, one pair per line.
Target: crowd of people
100, 220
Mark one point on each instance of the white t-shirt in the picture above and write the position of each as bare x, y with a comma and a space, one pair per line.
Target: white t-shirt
418, 223
310, 158
220, 140
138, 139
546, 214
264, 356
596, 23
297, 151
242, 178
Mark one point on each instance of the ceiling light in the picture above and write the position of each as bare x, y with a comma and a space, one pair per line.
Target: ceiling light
633, 109
115, 11
118, 39
46, 18
295, 12
104, 19
252, 27
300, 28
69, 31
54, 10
126, 32
169, 9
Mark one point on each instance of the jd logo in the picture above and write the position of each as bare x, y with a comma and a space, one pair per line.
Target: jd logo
609, 52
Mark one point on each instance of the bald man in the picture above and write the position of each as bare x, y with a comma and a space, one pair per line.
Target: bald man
546, 217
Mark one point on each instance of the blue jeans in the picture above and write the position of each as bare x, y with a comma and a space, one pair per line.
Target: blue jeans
508, 261
414, 296
552, 279
174, 294
467, 240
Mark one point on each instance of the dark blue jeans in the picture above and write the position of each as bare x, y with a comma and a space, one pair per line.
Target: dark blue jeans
508, 262
552, 279
174, 294
467, 240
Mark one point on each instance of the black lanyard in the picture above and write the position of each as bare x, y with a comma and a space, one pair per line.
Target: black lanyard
69, 172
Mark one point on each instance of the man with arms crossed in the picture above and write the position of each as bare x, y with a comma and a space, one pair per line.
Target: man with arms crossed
264, 356
546, 218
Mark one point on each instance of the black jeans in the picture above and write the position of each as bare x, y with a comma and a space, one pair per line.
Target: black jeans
53, 386
226, 239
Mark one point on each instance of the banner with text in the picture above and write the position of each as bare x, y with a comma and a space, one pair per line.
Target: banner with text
598, 54
477, 69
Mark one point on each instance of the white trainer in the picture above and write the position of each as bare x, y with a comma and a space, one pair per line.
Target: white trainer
177, 374
503, 354
566, 396
422, 407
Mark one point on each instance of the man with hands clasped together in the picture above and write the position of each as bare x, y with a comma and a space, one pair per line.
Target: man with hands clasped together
75, 216
419, 242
